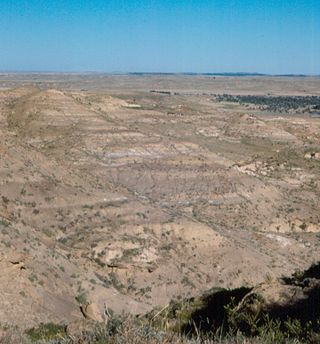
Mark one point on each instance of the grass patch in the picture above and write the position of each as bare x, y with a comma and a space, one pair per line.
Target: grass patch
45, 332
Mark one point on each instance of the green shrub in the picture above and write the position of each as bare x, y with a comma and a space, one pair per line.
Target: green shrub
46, 332
82, 299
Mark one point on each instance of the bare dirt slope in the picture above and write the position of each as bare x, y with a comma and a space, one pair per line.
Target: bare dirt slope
132, 198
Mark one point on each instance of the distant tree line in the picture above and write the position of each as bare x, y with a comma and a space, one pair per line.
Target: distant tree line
162, 92
274, 103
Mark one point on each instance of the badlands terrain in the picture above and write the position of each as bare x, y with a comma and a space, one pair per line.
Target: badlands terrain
128, 191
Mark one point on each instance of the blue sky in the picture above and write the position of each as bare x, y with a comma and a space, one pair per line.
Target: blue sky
267, 36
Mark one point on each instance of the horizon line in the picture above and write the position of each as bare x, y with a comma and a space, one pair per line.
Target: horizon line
137, 73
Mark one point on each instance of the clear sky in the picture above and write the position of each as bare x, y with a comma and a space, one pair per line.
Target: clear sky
267, 36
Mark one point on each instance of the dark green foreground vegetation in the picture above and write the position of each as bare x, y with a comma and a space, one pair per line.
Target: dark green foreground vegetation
242, 315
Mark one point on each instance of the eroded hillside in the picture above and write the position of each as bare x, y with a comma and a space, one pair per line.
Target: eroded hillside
133, 198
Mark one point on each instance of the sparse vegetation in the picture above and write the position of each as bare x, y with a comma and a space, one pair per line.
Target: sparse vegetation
130, 208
